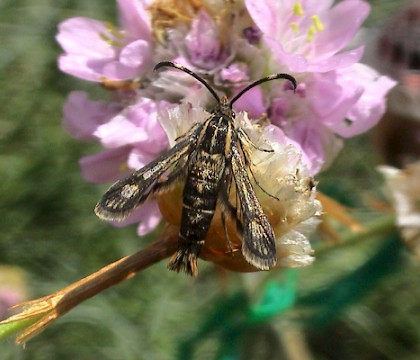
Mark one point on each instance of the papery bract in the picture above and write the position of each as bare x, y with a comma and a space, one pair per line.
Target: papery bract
403, 189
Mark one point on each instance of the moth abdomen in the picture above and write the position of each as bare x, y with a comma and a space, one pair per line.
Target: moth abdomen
199, 203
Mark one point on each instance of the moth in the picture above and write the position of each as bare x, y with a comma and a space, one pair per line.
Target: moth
209, 157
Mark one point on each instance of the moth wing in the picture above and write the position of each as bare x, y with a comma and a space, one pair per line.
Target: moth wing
258, 240
127, 194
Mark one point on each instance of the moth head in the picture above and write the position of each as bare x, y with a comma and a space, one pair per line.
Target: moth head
224, 105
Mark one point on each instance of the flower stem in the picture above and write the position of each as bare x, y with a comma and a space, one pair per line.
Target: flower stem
372, 230
45, 310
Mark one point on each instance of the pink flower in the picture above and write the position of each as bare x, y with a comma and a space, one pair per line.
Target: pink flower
369, 107
9, 296
235, 73
307, 36
336, 97
203, 43
95, 51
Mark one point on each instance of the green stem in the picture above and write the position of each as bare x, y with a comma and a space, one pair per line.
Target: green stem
10, 329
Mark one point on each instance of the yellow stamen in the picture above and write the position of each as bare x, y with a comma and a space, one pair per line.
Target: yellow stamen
298, 9
311, 33
317, 22
117, 34
114, 30
294, 27
167, 14
110, 41
123, 167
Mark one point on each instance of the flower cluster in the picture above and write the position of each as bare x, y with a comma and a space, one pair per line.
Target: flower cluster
230, 44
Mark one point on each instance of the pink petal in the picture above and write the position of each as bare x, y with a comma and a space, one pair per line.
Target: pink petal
82, 36
120, 132
136, 125
97, 69
278, 111
134, 18
77, 66
115, 70
106, 166
264, 15
150, 219
82, 116
139, 158
319, 145
236, 72
294, 63
9, 295
337, 61
341, 24
147, 215
135, 216
252, 102
370, 107
136, 54
329, 100
134, 59
203, 42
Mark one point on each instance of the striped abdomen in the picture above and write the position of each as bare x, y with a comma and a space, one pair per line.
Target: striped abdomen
199, 203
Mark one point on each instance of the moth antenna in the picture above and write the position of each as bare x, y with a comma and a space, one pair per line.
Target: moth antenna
188, 71
265, 79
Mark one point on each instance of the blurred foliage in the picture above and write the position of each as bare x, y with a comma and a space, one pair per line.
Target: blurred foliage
48, 229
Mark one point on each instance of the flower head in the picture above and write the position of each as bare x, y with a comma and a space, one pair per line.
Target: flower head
290, 204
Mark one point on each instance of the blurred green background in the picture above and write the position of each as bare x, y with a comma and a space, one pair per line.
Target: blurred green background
359, 302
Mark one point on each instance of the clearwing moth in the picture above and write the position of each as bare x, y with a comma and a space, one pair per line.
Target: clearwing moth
207, 158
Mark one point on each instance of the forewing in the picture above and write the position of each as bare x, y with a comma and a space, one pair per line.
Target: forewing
127, 194
258, 240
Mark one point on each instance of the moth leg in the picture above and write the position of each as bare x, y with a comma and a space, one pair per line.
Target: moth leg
258, 184
229, 243
243, 137
227, 207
